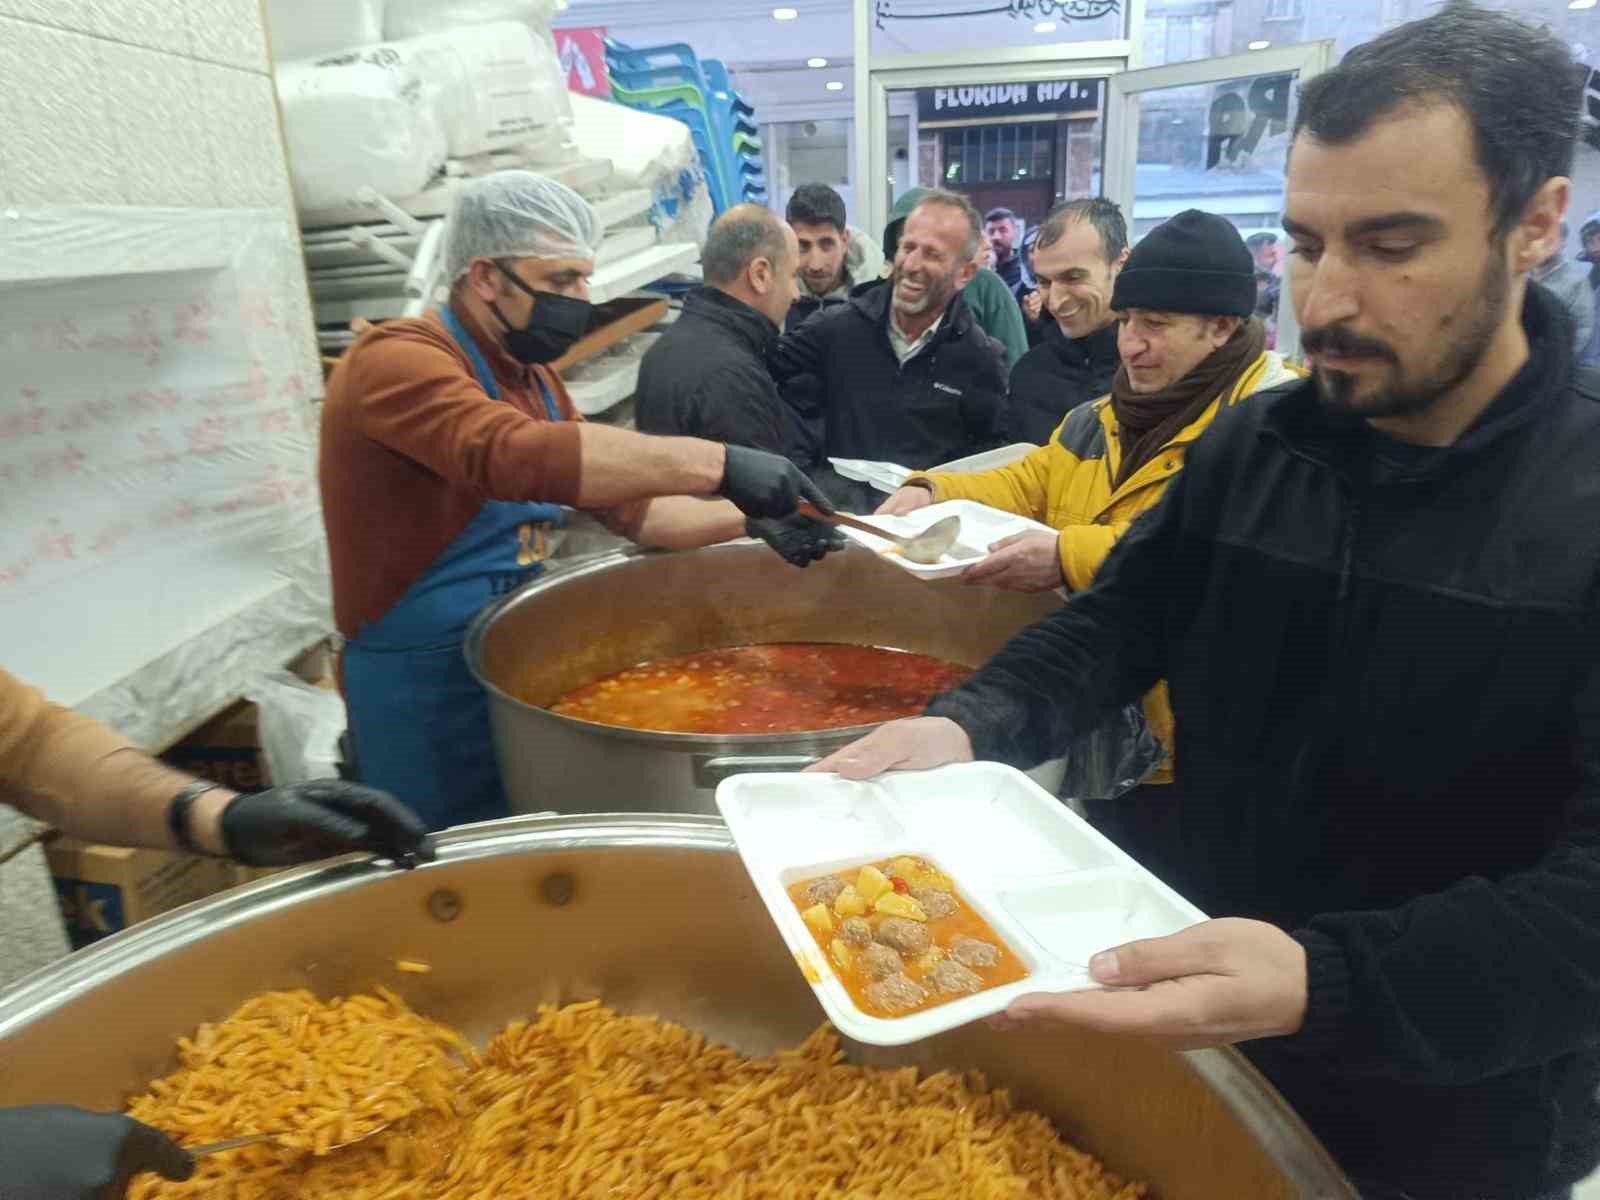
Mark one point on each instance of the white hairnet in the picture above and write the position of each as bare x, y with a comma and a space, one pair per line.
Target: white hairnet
517, 214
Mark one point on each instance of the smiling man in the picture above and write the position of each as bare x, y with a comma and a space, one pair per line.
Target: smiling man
1081, 249
1190, 350
903, 373
1375, 596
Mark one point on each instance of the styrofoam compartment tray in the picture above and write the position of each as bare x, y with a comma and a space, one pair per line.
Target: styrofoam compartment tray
981, 527
888, 477
1051, 886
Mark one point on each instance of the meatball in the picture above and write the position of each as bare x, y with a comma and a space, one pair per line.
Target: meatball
970, 952
897, 993
856, 931
825, 890
879, 961
936, 902
905, 935
950, 976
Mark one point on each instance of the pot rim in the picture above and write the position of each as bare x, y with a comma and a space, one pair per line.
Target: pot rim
593, 564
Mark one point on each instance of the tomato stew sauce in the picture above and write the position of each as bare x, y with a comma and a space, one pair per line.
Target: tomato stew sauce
784, 687
901, 938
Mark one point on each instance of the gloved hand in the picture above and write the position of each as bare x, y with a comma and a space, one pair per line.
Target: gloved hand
53, 1152
767, 485
801, 541
302, 822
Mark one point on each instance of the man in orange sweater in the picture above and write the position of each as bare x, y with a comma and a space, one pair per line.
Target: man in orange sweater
450, 456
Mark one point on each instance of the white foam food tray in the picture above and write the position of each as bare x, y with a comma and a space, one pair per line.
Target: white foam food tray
981, 527
888, 477
1053, 889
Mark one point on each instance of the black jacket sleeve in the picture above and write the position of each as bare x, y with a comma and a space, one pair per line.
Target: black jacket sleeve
799, 371
983, 405
1485, 977
741, 406
1105, 647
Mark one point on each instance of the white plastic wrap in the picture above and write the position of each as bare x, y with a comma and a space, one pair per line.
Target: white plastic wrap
309, 28
367, 118
651, 152
163, 539
495, 86
413, 18
300, 727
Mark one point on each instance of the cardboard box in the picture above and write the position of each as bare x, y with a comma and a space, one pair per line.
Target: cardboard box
105, 889
225, 750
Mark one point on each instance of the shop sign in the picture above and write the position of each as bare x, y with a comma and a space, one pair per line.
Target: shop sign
1008, 99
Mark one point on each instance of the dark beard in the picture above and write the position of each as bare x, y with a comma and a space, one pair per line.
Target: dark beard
1407, 398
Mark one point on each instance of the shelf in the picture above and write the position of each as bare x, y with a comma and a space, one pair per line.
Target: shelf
602, 385
624, 243
624, 206
623, 276
434, 201
627, 315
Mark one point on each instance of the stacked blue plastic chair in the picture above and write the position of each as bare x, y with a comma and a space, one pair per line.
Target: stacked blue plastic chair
672, 81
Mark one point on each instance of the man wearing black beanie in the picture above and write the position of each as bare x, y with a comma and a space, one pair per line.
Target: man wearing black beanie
1190, 348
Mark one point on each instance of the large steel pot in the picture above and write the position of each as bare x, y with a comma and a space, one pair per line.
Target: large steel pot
649, 914
607, 613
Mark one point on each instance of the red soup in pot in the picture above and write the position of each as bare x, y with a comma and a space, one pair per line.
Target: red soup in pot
784, 687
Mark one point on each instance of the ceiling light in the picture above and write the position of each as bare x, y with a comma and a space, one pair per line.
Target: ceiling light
1045, 27
835, 85
1264, 45
814, 63
1582, 3
785, 14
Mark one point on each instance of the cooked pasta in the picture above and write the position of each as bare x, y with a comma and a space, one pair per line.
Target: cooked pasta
583, 1102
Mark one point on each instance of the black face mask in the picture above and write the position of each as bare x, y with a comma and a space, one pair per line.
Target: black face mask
554, 325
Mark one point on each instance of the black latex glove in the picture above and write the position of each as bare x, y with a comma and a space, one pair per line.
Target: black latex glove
302, 822
767, 485
800, 540
52, 1152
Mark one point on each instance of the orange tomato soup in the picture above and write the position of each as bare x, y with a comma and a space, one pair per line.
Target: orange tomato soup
901, 938
785, 687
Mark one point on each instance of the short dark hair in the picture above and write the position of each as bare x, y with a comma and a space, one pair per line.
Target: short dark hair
1264, 238
1515, 84
1103, 214
999, 214
737, 238
944, 198
816, 204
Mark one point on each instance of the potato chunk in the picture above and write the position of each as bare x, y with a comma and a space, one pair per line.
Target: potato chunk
893, 904
818, 918
872, 883
850, 903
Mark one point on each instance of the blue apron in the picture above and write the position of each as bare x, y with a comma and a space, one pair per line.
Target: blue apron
419, 720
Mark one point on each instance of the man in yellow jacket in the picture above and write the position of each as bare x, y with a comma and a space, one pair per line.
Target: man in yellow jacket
1189, 348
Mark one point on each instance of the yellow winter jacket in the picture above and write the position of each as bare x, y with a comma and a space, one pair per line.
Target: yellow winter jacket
1067, 485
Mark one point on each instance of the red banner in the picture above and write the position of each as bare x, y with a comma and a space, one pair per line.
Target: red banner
583, 58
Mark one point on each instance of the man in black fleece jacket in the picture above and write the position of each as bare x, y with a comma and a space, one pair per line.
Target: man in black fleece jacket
1375, 596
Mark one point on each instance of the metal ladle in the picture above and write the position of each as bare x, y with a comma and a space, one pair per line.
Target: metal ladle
253, 1139
926, 548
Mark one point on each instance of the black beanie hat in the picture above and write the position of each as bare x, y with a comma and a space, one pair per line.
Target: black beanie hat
1194, 263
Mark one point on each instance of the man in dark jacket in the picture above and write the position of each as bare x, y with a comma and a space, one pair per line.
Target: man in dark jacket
903, 373
1375, 596
707, 377
1001, 227
1081, 248
834, 258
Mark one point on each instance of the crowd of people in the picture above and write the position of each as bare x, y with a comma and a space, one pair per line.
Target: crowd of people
1329, 655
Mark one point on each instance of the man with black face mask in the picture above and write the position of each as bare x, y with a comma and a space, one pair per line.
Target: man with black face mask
451, 455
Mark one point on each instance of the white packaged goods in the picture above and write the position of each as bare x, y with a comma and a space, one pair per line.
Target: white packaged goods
309, 28
412, 18
969, 840
362, 119
496, 86
650, 152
